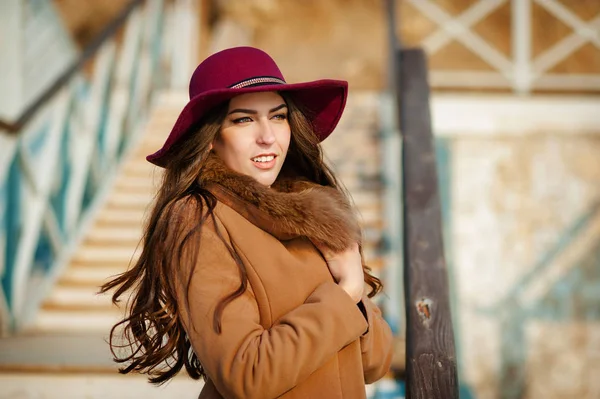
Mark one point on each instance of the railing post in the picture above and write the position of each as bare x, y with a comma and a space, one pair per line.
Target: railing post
431, 371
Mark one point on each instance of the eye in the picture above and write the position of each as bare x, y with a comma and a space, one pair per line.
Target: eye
281, 117
244, 119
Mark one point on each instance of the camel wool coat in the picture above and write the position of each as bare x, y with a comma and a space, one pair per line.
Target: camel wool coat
293, 333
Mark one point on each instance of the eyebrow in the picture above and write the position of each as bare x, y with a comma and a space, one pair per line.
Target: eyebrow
252, 111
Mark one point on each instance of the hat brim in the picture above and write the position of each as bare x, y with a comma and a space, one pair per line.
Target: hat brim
322, 100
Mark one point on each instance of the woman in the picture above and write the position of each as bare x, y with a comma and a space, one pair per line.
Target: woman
251, 273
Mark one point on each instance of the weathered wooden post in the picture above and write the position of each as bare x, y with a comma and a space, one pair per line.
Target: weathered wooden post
430, 359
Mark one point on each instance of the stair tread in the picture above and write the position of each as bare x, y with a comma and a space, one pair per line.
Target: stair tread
83, 296
75, 351
81, 321
99, 251
128, 232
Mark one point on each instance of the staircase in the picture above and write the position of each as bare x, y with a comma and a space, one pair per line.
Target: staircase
69, 332
111, 243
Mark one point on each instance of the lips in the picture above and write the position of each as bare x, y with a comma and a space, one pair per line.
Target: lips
264, 161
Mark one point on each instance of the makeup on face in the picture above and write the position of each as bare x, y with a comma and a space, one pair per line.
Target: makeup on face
255, 136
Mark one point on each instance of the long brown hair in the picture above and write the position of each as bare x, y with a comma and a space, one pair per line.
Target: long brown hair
157, 342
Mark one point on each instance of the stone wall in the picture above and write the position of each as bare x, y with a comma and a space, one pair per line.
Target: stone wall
523, 218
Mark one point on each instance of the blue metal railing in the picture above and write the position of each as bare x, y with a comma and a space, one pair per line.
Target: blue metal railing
66, 149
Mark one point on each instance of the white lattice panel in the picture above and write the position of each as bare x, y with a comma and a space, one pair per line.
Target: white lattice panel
521, 70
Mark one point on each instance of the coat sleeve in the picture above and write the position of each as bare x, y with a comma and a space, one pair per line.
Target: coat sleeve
376, 344
246, 360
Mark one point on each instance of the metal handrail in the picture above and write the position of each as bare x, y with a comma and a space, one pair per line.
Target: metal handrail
90, 50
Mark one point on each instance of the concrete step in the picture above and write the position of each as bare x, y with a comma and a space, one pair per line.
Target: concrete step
81, 352
94, 255
172, 99
57, 321
155, 137
147, 148
85, 275
141, 168
65, 297
135, 183
50, 382
116, 216
115, 236
127, 200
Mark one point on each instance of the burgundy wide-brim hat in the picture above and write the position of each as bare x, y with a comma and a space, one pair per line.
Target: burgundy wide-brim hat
240, 70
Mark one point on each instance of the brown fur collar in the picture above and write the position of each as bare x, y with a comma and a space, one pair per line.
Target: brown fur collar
289, 209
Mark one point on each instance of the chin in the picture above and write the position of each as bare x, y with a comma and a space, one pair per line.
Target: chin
266, 179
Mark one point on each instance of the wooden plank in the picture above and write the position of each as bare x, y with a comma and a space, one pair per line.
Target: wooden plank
430, 358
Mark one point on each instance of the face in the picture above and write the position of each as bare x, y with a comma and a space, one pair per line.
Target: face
255, 136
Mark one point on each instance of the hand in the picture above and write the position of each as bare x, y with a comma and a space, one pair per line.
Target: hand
346, 268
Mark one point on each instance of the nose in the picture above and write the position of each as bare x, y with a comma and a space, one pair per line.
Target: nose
266, 135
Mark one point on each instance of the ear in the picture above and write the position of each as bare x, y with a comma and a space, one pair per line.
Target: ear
210, 147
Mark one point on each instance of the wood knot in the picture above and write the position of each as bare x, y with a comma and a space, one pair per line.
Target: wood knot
424, 308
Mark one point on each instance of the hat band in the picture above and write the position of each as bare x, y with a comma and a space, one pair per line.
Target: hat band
257, 81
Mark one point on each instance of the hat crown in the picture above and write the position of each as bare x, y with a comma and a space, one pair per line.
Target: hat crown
230, 67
